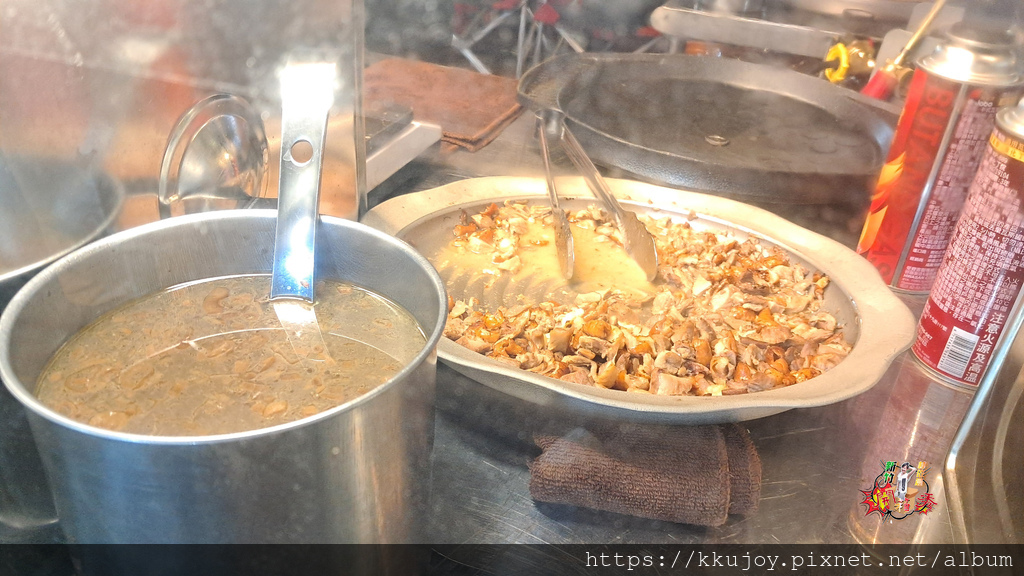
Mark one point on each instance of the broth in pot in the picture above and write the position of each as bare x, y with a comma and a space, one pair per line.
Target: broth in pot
211, 357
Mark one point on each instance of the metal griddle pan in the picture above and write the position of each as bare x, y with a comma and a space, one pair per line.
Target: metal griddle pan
733, 128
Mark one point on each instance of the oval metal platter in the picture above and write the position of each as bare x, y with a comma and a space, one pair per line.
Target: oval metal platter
875, 321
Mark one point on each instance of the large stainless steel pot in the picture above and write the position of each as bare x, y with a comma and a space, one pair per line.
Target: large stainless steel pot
49, 208
355, 473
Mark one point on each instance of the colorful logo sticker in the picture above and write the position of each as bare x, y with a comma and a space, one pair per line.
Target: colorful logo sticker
899, 491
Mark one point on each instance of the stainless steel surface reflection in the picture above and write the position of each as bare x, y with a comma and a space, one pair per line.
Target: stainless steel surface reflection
355, 473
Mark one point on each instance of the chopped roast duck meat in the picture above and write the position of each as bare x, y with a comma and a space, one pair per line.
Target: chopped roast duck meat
732, 316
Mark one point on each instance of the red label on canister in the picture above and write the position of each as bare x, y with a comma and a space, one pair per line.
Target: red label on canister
982, 271
921, 189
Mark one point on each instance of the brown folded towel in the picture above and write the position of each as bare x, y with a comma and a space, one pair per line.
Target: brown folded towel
689, 474
744, 470
471, 108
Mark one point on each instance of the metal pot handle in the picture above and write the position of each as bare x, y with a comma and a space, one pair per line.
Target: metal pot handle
216, 158
27, 513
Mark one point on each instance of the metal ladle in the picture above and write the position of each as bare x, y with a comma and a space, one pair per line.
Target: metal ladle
637, 240
307, 94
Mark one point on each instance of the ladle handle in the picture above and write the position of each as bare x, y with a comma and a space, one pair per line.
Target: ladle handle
307, 94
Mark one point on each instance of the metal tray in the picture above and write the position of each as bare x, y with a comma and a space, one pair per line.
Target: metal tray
878, 324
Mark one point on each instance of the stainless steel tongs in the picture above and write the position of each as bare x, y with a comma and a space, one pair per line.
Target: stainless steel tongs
639, 243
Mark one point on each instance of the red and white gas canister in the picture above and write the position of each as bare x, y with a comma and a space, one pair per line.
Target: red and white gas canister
949, 112
979, 282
